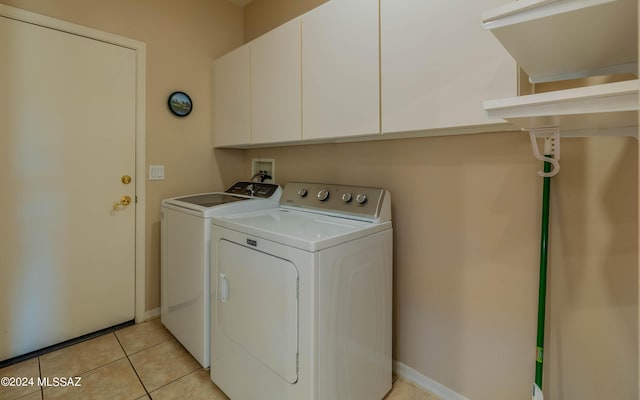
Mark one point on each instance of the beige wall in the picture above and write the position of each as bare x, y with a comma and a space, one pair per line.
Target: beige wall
260, 16
466, 213
182, 39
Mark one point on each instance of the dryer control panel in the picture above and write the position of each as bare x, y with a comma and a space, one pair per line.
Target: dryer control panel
356, 201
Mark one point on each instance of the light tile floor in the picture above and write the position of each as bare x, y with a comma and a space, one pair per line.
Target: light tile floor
142, 361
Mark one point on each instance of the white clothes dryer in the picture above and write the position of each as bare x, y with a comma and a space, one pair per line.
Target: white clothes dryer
185, 259
301, 302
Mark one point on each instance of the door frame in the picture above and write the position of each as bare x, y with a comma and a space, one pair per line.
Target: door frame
140, 113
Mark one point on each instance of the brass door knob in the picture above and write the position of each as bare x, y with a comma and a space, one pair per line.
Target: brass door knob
124, 201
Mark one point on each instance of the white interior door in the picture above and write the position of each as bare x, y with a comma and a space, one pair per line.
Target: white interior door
67, 136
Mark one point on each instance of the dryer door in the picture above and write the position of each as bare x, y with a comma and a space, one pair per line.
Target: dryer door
258, 306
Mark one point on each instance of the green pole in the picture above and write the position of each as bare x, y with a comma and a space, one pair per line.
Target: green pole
542, 287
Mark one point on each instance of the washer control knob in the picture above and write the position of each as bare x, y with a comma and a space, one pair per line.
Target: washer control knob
302, 192
347, 197
361, 198
323, 195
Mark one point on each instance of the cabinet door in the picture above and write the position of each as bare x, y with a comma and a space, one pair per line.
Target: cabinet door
276, 104
340, 69
232, 98
438, 65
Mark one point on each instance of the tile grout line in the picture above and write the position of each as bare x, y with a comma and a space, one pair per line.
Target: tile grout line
62, 345
126, 355
133, 367
172, 338
178, 378
144, 349
99, 366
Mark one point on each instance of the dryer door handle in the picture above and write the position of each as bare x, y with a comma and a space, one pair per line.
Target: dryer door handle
223, 288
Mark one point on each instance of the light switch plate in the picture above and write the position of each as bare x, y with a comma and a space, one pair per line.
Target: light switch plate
156, 172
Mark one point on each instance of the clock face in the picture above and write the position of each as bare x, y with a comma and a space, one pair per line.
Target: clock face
180, 104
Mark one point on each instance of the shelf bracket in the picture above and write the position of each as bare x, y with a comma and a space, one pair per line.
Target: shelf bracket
551, 148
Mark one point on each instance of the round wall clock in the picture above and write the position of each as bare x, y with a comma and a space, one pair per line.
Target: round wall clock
180, 104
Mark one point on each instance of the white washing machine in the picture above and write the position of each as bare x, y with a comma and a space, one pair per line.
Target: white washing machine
185, 259
301, 297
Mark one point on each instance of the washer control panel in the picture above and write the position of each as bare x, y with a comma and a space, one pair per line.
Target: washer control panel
357, 201
254, 189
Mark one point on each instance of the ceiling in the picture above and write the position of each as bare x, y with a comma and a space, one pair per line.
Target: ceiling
240, 2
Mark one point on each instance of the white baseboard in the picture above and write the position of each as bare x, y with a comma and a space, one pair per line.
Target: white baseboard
150, 314
428, 384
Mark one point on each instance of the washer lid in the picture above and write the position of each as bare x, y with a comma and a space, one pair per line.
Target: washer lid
262, 195
210, 199
304, 230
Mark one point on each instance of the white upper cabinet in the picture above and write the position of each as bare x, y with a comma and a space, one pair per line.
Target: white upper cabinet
340, 69
354, 68
276, 114
438, 65
232, 98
